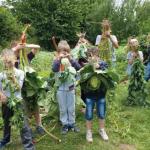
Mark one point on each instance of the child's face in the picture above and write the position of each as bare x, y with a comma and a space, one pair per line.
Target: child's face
133, 46
8, 63
64, 52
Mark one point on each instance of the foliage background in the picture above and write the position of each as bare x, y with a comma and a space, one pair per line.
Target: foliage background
64, 18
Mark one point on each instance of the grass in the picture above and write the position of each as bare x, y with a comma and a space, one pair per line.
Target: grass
138, 134
127, 127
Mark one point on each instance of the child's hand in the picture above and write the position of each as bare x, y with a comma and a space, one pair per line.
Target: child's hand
135, 55
18, 47
97, 66
61, 55
3, 98
53, 38
107, 33
69, 56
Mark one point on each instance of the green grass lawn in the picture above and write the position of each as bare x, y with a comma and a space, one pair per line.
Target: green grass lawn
137, 135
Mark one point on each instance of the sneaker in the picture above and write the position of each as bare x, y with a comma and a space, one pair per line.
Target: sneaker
3, 143
74, 128
103, 134
89, 136
64, 129
40, 130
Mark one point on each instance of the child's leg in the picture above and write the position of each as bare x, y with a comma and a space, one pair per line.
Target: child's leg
7, 113
71, 107
62, 98
26, 136
101, 109
37, 117
38, 121
89, 116
89, 113
71, 111
26, 132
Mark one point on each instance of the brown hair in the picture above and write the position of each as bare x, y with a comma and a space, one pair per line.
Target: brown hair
63, 46
92, 52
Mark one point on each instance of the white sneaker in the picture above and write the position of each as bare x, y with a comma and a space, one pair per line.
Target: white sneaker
89, 136
103, 134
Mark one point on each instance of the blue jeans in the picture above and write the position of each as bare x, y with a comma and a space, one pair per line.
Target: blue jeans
147, 72
100, 106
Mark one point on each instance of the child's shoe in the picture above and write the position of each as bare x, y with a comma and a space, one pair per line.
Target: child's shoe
89, 136
64, 129
103, 134
40, 130
3, 143
74, 128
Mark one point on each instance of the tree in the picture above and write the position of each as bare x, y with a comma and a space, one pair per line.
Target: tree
143, 17
99, 10
9, 28
61, 18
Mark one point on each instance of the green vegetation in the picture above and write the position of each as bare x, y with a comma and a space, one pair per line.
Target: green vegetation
9, 29
64, 18
128, 127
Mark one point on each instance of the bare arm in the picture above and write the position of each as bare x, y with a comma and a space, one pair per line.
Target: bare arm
34, 51
115, 43
54, 43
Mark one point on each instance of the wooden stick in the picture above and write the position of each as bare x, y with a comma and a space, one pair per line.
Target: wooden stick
51, 135
45, 134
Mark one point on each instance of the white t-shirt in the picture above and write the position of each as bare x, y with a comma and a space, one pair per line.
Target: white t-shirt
19, 74
113, 37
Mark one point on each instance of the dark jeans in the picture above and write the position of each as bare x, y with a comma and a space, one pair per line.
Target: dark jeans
25, 132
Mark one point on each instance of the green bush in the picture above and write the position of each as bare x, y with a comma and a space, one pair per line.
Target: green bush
9, 29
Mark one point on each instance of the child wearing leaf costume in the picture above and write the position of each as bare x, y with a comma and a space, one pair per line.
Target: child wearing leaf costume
13, 109
107, 43
64, 67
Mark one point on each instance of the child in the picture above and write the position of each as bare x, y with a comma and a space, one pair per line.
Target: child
95, 97
16, 48
147, 62
16, 78
133, 54
107, 43
63, 66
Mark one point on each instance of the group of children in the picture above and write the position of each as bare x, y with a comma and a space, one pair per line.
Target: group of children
66, 69
66, 90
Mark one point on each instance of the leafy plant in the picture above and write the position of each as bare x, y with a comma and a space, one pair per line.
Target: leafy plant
137, 86
34, 87
108, 78
13, 102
